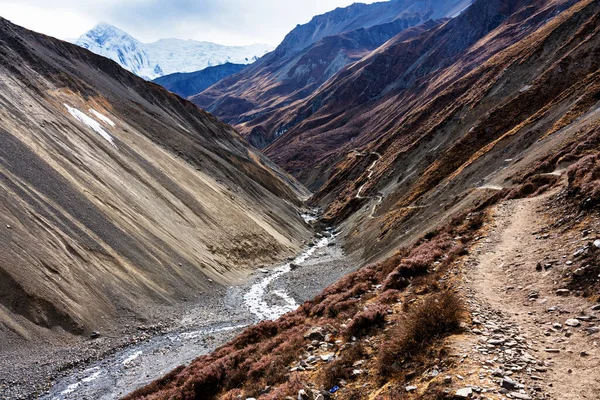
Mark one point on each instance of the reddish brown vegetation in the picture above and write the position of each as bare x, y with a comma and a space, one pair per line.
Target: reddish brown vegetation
261, 356
439, 315
584, 182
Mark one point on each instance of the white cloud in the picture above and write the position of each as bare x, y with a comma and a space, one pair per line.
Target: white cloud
221, 21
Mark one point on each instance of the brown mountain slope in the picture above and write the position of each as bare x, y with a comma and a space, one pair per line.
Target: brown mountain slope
117, 195
444, 128
307, 58
453, 174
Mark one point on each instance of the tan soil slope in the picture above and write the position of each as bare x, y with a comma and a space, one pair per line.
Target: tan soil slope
168, 203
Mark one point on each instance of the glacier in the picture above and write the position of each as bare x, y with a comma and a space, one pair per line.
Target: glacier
166, 56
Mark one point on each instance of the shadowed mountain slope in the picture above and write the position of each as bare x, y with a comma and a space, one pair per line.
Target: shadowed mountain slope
308, 57
444, 111
117, 195
188, 84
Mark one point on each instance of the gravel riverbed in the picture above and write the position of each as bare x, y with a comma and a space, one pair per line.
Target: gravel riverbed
110, 367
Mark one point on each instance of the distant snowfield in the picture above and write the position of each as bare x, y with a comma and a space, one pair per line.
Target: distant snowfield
166, 56
92, 123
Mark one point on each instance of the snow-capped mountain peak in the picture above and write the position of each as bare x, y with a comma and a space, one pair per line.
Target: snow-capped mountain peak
166, 56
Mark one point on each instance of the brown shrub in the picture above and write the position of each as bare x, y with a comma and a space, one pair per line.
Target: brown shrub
390, 296
437, 316
584, 182
418, 262
365, 321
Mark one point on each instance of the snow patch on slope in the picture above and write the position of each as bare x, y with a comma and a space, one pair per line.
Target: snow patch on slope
102, 118
92, 123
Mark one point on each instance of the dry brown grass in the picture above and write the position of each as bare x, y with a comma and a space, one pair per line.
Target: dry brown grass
439, 315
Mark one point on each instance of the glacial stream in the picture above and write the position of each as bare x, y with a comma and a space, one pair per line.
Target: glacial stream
264, 298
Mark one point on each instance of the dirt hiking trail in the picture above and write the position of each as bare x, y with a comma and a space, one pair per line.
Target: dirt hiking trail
529, 342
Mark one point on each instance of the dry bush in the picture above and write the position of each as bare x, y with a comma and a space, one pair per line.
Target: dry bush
390, 296
584, 182
366, 321
342, 367
418, 262
439, 315
289, 388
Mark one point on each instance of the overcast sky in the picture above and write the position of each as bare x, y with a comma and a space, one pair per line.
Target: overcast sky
230, 22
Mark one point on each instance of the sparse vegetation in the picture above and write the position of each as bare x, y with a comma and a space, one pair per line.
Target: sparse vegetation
439, 315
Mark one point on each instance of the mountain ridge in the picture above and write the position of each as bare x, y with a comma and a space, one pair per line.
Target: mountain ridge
164, 56
309, 55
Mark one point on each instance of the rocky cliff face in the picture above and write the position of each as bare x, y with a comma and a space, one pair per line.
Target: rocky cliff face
117, 195
308, 57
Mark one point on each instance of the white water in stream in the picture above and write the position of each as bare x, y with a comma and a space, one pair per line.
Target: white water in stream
256, 300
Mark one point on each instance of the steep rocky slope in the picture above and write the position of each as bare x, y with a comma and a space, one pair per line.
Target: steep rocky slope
439, 114
467, 160
309, 56
118, 196
166, 56
191, 83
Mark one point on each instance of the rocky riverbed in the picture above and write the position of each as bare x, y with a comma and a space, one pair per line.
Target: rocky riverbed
109, 367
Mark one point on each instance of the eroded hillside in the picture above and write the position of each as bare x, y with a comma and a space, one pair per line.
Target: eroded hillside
118, 196
465, 158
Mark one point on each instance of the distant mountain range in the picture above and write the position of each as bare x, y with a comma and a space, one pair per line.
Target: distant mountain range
186, 84
310, 55
166, 56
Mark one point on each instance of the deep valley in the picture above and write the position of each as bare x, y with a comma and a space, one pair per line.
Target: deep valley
401, 201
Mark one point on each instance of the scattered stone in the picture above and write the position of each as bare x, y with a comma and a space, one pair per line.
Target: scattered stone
563, 292
573, 322
464, 393
94, 335
302, 395
580, 271
294, 266
552, 351
447, 379
520, 396
509, 384
315, 333
411, 388
596, 307
597, 243
584, 354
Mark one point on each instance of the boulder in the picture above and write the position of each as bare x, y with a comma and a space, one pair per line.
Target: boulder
315, 333
465, 393
509, 384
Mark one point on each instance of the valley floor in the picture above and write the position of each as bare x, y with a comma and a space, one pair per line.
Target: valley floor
110, 367
529, 339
